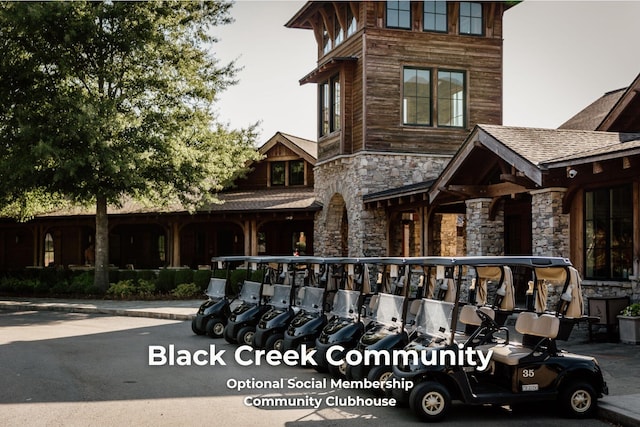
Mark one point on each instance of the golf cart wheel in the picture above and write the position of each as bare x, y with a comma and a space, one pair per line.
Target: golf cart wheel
339, 371
215, 328
430, 401
245, 335
195, 329
275, 342
578, 400
228, 336
380, 374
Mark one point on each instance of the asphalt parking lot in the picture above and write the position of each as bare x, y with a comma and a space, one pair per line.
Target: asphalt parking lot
86, 369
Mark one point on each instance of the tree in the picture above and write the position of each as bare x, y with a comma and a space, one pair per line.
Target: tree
104, 101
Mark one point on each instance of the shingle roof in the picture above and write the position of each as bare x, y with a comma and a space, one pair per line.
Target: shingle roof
540, 146
266, 200
591, 116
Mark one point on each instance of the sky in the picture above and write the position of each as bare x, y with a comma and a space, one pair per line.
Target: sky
559, 56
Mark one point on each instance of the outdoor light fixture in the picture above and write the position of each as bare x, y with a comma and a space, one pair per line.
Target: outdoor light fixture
571, 173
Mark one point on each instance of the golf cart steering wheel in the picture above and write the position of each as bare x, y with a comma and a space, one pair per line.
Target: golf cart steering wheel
487, 321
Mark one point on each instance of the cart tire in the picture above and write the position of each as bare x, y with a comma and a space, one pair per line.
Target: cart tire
228, 337
275, 342
339, 371
215, 328
578, 400
245, 335
195, 328
380, 374
430, 401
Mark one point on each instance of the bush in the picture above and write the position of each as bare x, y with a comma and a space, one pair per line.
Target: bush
183, 276
201, 278
187, 291
126, 289
166, 278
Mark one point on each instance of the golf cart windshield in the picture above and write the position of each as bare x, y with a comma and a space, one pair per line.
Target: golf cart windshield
434, 317
216, 288
312, 299
388, 308
345, 303
281, 295
250, 291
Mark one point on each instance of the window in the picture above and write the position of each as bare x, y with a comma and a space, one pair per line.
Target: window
399, 14
435, 16
416, 97
162, 251
608, 233
49, 250
326, 41
471, 18
338, 31
352, 22
277, 173
330, 102
335, 105
451, 98
296, 172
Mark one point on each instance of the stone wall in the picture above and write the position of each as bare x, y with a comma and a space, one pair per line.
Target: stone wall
353, 176
549, 226
484, 236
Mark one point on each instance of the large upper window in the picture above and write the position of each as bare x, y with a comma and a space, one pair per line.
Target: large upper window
296, 172
451, 98
471, 18
399, 14
416, 100
327, 44
338, 32
435, 16
419, 105
608, 233
278, 172
330, 103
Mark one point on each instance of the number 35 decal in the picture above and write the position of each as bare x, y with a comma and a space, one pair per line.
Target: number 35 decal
528, 373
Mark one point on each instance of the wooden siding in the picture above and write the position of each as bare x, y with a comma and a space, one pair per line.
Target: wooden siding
388, 51
372, 86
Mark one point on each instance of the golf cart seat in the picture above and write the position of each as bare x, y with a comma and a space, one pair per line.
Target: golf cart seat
544, 327
469, 317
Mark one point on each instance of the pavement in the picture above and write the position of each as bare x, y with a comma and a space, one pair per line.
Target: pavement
620, 362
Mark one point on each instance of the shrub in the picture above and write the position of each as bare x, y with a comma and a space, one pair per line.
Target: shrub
165, 280
201, 279
125, 289
183, 276
187, 291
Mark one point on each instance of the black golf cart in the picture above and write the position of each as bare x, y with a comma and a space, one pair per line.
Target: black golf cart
517, 373
273, 324
308, 323
345, 325
241, 325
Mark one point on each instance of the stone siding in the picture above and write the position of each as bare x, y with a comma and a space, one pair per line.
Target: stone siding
351, 177
549, 226
484, 236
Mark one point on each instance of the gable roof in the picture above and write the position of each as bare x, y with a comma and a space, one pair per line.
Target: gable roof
304, 148
533, 150
590, 117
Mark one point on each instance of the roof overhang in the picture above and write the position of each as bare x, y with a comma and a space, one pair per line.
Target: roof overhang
323, 71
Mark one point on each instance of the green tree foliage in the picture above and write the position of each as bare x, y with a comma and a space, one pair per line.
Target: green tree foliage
101, 102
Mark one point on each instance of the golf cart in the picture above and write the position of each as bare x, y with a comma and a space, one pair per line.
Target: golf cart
345, 325
517, 373
241, 325
282, 305
213, 314
387, 329
307, 325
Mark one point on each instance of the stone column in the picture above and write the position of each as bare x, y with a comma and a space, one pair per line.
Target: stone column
484, 236
549, 226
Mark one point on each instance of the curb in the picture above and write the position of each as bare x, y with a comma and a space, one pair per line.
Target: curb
617, 415
95, 310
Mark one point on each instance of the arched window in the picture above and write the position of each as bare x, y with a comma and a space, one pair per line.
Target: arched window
49, 250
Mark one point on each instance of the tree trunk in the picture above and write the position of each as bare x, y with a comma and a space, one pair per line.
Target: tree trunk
101, 278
